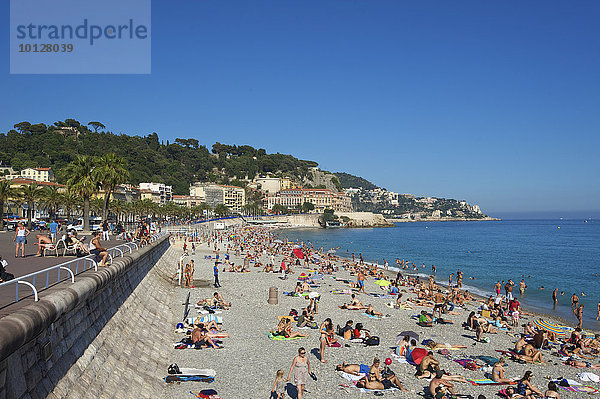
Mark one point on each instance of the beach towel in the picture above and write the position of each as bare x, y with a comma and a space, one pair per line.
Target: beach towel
211, 317
207, 394
400, 359
489, 360
352, 377
587, 376
469, 364
281, 338
580, 388
487, 381
376, 317
182, 378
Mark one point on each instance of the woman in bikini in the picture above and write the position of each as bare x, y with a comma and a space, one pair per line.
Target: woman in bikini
372, 312
324, 337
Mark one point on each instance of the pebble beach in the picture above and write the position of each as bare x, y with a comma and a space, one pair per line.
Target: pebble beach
247, 364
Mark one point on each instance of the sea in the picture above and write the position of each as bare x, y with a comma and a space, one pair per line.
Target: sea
547, 254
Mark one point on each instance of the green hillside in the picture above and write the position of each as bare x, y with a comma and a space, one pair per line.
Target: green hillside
178, 164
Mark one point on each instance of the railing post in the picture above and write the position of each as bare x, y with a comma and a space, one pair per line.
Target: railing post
35, 293
70, 272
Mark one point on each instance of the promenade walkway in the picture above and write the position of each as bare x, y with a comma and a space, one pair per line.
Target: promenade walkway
29, 264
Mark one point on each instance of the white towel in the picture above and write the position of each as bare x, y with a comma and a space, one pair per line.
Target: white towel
587, 376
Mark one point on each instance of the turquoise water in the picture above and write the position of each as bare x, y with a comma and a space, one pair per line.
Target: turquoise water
563, 254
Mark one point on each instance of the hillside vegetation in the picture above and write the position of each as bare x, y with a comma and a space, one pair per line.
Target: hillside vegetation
178, 164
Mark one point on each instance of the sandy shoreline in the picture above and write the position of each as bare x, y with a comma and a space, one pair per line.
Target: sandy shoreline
247, 364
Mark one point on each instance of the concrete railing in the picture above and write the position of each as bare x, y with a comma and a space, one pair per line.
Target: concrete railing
40, 342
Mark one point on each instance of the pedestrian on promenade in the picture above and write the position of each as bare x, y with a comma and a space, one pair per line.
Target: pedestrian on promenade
20, 239
216, 272
53, 230
105, 231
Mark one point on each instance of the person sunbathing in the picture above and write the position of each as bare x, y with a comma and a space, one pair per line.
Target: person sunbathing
529, 354
284, 329
428, 366
498, 372
435, 346
354, 369
581, 365
298, 289
200, 338
438, 384
268, 268
212, 330
370, 382
370, 311
218, 301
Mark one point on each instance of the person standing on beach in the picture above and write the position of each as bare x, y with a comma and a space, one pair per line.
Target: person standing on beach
301, 368
509, 290
555, 297
574, 302
361, 258
522, 287
216, 273
579, 314
360, 279
450, 280
497, 288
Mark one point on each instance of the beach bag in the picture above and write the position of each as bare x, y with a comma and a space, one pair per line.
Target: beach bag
173, 369
293, 312
372, 341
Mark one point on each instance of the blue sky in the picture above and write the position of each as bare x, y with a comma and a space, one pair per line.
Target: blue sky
492, 102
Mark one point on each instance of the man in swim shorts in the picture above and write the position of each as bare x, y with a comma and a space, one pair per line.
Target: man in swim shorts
574, 302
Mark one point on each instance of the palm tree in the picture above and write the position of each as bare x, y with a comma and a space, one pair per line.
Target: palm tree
81, 181
96, 205
69, 200
111, 171
52, 199
5, 192
221, 210
118, 207
31, 194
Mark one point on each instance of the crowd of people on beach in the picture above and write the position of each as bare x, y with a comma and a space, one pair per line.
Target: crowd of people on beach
437, 306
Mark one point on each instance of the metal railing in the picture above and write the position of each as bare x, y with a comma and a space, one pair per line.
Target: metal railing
43, 279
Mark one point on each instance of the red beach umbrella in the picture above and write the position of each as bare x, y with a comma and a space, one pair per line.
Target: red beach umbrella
298, 253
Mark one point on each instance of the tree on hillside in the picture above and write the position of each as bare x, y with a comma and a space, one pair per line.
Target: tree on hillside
110, 171
5, 192
81, 181
31, 194
96, 126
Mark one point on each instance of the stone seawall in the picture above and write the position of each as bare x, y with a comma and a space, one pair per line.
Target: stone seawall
95, 337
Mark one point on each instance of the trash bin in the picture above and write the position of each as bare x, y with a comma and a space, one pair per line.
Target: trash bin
273, 296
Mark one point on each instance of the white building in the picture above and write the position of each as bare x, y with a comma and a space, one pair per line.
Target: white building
38, 174
232, 197
159, 192
269, 185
